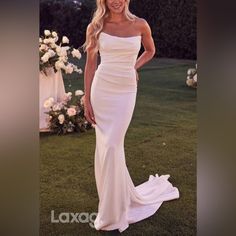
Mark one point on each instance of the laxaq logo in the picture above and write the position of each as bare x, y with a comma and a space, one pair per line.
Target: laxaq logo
70, 217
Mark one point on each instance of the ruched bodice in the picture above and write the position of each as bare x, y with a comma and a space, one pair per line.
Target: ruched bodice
119, 50
118, 57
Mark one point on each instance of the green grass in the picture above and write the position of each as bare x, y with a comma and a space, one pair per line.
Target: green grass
165, 112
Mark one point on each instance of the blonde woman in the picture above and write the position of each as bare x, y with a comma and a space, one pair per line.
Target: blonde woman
110, 94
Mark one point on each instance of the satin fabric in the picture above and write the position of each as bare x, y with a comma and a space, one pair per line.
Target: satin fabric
113, 97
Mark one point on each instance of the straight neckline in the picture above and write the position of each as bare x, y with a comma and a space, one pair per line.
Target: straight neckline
120, 36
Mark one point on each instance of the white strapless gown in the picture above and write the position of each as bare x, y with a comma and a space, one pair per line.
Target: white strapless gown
113, 97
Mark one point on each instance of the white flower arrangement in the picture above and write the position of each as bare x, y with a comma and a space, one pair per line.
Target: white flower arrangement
192, 77
67, 116
79, 93
53, 54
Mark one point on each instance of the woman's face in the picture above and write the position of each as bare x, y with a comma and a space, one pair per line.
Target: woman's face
115, 6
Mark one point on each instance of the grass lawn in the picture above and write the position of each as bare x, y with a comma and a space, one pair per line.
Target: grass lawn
162, 138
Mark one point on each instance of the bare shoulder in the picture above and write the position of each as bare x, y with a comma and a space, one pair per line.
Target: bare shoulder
141, 22
90, 43
90, 28
143, 25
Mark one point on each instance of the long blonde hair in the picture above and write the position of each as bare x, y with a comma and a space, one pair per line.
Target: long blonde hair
97, 23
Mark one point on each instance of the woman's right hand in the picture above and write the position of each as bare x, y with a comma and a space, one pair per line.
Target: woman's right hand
88, 113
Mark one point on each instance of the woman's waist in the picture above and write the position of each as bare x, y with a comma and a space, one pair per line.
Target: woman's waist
115, 68
116, 75
114, 84
117, 65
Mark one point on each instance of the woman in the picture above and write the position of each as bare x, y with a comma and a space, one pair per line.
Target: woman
110, 95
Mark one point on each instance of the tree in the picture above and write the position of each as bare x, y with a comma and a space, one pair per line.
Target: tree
173, 22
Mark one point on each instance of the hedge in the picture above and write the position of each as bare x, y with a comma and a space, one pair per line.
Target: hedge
173, 22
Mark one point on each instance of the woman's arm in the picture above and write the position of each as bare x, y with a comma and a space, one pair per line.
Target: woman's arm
90, 68
148, 44
89, 71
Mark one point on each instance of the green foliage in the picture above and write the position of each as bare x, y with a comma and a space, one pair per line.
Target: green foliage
173, 22
66, 18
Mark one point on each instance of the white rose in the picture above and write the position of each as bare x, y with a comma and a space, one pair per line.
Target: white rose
59, 65
56, 107
43, 47
46, 41
51, 99
79, 71
58, 49
47, 32
51, 40
56, 39
75, 67
45, 57
48, 103
79, 93
67, 97
65, 48
63, 58
191, 71
54, 34
51, 53
71, 111
62, 51
69, 69
53, 45
76, 53
65, 39
189, 82
195, 77
61, 118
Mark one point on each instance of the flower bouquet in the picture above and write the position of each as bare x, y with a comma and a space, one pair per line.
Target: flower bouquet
192, 77
53, 55
67, 116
